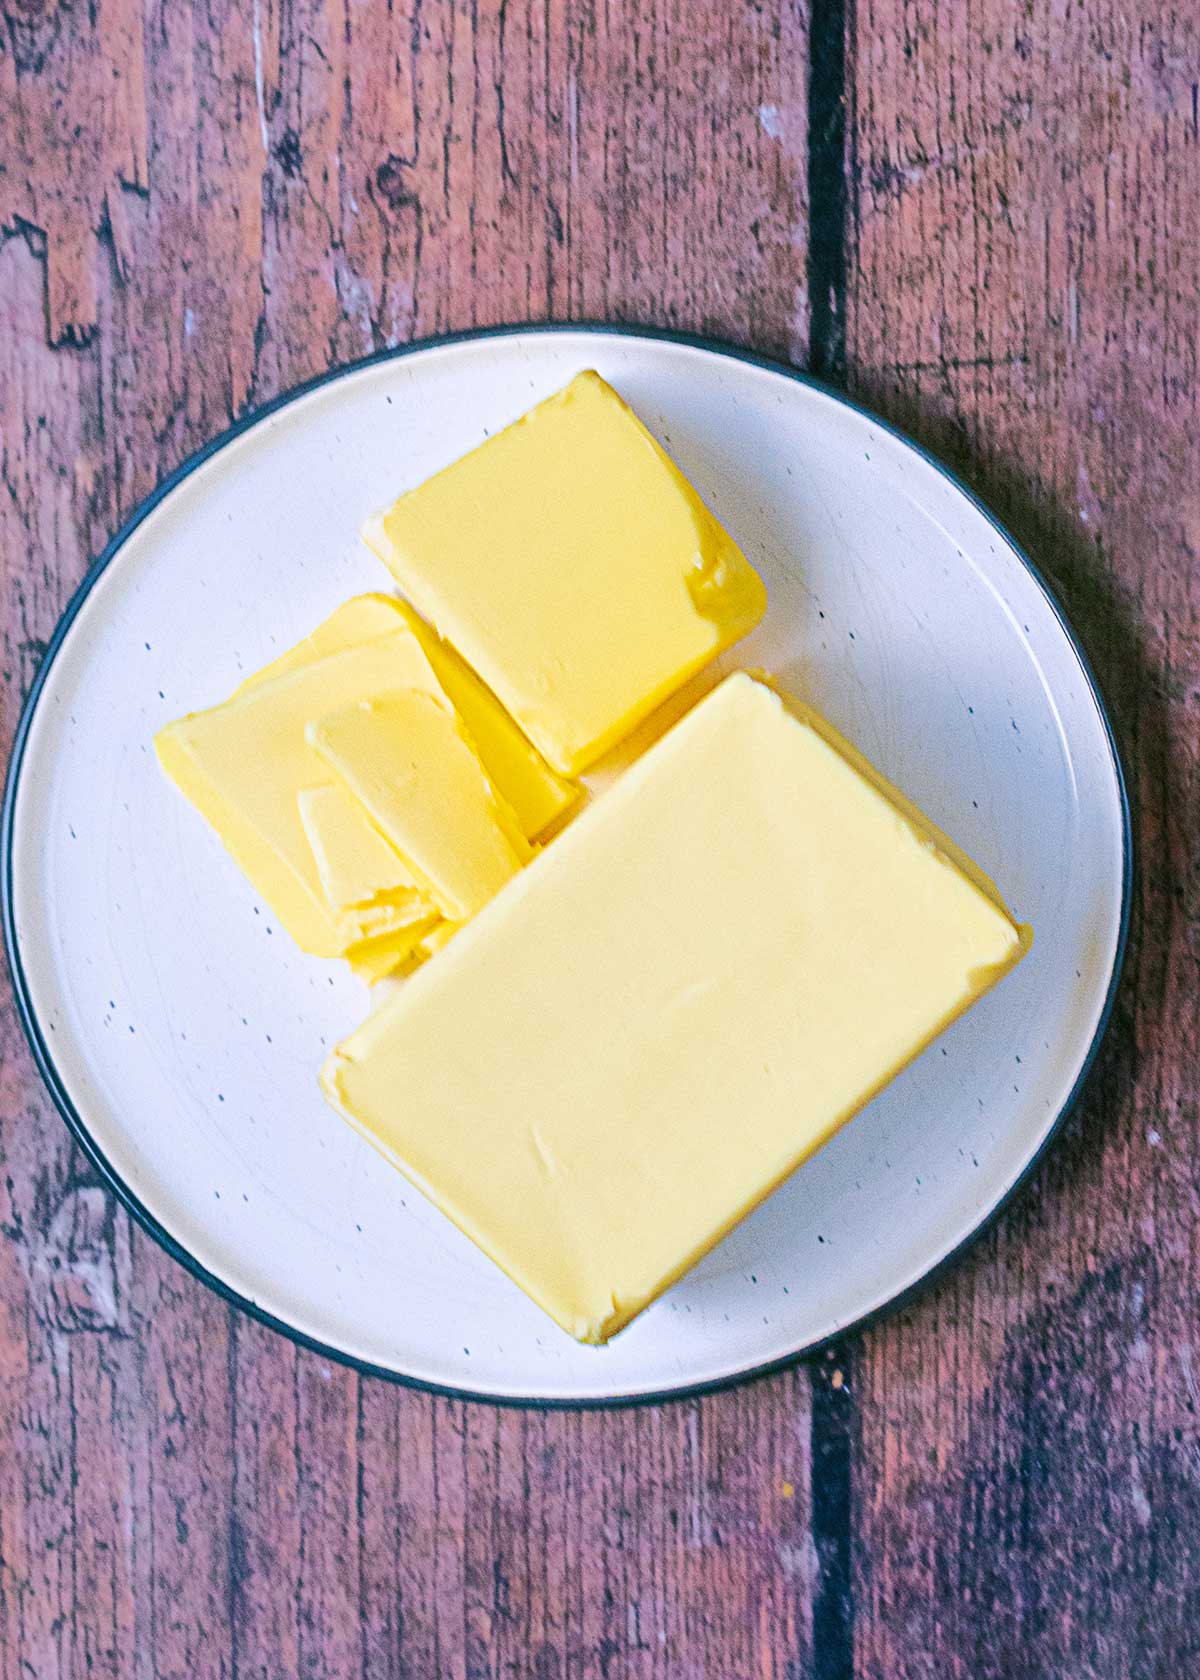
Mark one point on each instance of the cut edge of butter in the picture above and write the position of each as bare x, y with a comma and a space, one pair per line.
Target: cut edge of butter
439, 937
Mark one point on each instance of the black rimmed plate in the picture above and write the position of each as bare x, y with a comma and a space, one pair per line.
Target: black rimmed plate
180, 1031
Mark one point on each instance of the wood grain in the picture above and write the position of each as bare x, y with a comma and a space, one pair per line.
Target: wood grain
183, 1492
993, 236
1021, 295
72, 143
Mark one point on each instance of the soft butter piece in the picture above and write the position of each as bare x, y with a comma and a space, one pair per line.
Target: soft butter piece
244, 765
574, 567
539, 796
363, 618
406, 759
356, 866
437, 938
709, 972
374, 959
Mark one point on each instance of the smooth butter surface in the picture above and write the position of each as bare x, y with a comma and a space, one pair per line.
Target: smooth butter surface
574, 567
244, 765
714, 967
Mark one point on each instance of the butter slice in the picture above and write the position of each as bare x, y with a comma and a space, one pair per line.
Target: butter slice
438, 937
574, 567
374, 959
711, 970
361, 875
539, 796
407, 760
363, 618
244, 765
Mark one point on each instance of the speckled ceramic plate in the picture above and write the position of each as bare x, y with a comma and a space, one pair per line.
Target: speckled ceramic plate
180, 1031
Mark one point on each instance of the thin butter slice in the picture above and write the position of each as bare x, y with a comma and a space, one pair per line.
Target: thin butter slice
405, 758
374, 959
244, 764
711, 970
438, 938
539, 796
364, 618
574, 567
359, 872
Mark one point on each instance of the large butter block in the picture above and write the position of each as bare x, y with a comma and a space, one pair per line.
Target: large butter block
706, 975
575, 568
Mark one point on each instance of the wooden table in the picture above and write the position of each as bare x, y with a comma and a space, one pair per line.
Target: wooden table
980, 216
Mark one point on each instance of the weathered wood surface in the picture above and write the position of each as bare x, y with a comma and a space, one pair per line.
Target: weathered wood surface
1024, 290
986, 221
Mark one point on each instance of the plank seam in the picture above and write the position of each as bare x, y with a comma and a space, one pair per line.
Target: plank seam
833, 1420
828, 199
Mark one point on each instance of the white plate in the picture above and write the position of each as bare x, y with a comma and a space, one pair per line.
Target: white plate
180, 1031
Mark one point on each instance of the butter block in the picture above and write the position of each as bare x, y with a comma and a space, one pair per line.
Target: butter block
715, 966
408, 762
575, 569
244, 765
539, 796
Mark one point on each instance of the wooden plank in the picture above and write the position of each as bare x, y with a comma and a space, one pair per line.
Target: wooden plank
304, 184
265, 1514
72, 140
182, 1493
648, 1544
1024, 199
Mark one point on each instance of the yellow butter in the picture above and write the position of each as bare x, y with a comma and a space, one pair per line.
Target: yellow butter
438, 938
408, 762
374, 959
244, 765
574, 567
708, 973
539, 796
363, 618
356, 866
392, 956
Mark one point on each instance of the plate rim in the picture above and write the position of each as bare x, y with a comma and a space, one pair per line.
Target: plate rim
150, 1223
